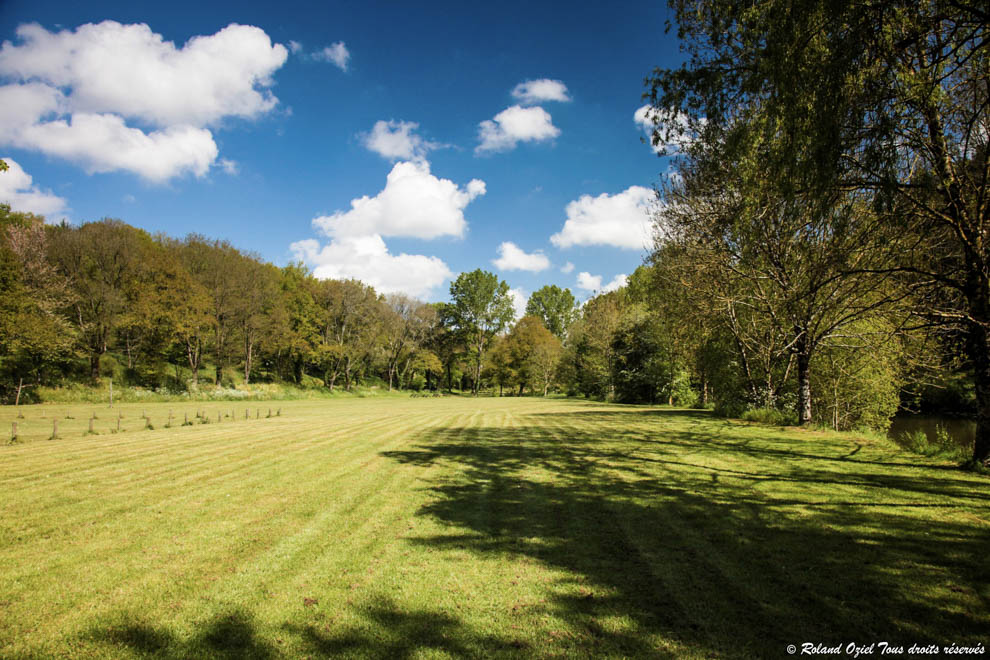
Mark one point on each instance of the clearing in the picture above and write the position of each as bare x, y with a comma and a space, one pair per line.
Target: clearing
475, 527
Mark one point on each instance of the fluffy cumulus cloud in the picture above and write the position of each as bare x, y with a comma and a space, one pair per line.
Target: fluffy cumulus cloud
589, 282
367, 258
511, 257
539, 91
593, 283
414, 203
397, 140
514, 125
567, 268
17, 189
622, 220
119, 97
336, 54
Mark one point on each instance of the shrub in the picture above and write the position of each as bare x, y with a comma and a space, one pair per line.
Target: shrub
768, 416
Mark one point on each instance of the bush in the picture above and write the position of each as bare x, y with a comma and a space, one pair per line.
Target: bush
940, 445
769, 416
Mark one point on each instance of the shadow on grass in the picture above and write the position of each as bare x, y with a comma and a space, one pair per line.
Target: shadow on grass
230, 636
724, 548
385, 630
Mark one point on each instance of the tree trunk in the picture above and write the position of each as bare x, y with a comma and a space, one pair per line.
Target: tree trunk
192, 352
803, 353
248, 346
978, 345
477, 371
94, 365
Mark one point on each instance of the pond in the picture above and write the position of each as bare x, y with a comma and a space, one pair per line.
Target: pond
960, 429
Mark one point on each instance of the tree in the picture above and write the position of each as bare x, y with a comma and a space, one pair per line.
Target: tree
218, 267
592, 350
99, 259
34, 333
481, 307
405, 326
556, 307
802, 112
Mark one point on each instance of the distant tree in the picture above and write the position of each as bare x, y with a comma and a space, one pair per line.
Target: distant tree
481, 307
556, 307
34, 333
100, 261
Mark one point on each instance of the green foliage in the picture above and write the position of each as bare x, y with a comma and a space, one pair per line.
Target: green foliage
941, 445
480, 308
556, 307
769, 416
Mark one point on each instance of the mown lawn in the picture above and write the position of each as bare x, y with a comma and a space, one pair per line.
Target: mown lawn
458, 527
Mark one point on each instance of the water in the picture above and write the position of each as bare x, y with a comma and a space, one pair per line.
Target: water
961, 430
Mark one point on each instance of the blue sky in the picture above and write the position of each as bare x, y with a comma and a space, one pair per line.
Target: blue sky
465, 126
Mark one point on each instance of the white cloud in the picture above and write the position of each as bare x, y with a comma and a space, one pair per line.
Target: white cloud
17, 189
622, 220
589, 282
617, 282
510, 257
103, 143
71, 94
567, 268
336, 53
538, 91
130, 71
519, 299
229, 166
513, 125
366, 258
648, 119
396, 140
593, 283
295, 47
414, 203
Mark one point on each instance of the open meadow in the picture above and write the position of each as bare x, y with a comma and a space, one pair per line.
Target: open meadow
458, 527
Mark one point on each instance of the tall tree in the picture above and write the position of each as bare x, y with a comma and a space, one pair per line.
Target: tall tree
556, 307
813, 102
481, 307
100, 261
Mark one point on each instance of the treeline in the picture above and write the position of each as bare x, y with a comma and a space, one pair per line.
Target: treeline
104, 299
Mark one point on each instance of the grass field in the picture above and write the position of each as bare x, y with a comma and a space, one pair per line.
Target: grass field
458, 527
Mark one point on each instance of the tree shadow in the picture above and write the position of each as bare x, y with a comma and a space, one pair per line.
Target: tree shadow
388, 631
779, 548
231, 635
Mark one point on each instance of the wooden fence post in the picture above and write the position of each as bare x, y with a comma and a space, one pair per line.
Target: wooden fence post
91, 425
13, 431
54, 428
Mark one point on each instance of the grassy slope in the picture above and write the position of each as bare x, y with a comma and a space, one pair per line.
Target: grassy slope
460, 527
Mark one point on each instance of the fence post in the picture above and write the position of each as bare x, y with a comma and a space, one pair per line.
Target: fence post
91, 425
54, 428
13, 431
118, 425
